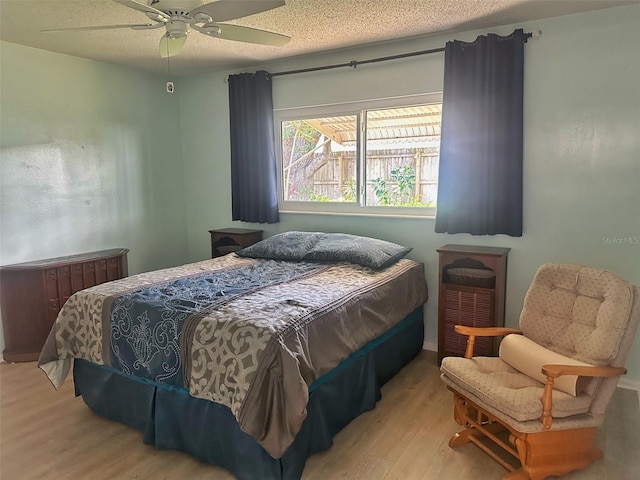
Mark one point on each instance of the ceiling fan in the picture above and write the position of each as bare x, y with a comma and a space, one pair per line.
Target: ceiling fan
180, 16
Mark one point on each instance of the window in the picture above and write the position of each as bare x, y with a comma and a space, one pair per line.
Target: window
370, 158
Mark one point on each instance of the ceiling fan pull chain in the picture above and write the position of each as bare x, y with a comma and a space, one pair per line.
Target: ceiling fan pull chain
170, 85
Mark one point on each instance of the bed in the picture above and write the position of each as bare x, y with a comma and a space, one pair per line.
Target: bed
252, 361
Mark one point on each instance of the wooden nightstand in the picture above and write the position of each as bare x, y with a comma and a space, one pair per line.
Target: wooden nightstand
227, 240
470, 304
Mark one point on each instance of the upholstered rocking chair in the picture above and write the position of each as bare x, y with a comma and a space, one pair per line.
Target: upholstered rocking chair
544, 397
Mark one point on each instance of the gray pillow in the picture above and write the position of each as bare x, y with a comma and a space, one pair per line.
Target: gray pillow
291, 246
327, 247
365, 251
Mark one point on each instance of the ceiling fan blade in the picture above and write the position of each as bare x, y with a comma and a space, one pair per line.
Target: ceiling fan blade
101, 27
244, 34
170, 46
224, 10
153, 13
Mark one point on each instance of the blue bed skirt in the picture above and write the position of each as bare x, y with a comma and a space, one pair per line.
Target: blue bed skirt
171, 419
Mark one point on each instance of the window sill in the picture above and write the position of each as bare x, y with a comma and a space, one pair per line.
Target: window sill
417, 216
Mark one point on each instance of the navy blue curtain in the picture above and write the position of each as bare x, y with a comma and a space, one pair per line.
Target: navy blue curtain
253, 154
480, 179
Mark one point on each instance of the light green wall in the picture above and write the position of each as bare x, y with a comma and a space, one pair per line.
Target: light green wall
582, 149
106, 150
90, 159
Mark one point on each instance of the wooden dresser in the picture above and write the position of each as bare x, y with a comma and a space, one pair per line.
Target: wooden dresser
32, 294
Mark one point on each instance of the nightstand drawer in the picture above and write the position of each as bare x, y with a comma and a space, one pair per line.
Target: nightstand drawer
227, 240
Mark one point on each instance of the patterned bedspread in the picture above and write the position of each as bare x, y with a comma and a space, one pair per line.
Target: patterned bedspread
247, 333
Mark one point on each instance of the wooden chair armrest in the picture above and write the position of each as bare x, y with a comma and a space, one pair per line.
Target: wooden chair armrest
485, 331
554, 371
473, 332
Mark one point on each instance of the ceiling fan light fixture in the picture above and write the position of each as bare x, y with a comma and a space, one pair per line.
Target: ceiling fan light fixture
171, 46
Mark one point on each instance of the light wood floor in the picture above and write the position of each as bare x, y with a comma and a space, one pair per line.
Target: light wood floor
51, 435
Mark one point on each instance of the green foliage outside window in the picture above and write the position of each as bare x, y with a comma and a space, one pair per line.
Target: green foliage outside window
402, 192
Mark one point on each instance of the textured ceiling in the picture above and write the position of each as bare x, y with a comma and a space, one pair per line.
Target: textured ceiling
314, 25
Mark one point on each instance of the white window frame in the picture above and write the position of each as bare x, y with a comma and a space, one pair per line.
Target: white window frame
337, 109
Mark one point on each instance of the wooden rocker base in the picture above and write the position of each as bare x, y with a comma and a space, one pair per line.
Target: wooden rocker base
541, 454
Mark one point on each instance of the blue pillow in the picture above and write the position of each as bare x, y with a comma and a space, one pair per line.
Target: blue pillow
290, 246
327, 247
365, 251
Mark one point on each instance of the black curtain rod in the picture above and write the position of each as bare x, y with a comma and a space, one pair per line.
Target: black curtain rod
355, 63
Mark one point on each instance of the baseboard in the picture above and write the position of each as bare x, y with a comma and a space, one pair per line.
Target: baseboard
629, 384
431, 346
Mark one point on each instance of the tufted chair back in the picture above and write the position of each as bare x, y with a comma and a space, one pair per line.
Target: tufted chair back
580, 312
583, 313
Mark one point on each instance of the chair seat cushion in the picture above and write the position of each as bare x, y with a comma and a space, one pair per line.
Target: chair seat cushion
507, 390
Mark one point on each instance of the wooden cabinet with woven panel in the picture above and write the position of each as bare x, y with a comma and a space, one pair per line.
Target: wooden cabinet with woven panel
471, 292
32, 294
